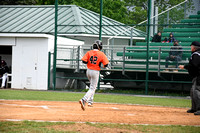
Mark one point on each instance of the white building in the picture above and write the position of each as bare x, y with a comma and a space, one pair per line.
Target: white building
29, 58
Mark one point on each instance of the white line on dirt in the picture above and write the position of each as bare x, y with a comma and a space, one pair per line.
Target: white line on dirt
43, 106
115, 108
131, 114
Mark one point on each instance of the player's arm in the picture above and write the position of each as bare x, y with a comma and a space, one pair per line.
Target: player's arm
105, 61
85, 58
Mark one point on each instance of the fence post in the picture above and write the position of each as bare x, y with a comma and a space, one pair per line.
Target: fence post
159, 56
55, 45
131, 40
148, 39
123, 67
168, 19
78, 56
49, 70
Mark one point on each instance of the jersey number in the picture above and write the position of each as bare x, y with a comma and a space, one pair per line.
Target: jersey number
93, 59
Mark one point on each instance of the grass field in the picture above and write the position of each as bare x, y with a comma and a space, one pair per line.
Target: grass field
108, 98
61, 127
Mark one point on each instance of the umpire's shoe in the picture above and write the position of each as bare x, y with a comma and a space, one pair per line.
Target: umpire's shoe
197, 113
190, 111
82, 102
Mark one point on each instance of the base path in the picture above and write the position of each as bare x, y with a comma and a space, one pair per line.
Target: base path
101, 113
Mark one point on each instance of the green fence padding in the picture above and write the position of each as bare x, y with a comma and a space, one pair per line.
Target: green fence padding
182, 30
190, 21
198, 12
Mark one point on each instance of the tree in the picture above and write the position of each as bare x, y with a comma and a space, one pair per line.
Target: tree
114, 9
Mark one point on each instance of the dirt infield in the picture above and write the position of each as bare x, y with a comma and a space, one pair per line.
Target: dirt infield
103, 113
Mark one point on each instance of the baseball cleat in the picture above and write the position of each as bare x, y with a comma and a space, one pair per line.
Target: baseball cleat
82, 102
90, 105
197, 113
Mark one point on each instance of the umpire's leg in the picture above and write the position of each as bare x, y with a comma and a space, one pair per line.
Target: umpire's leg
196, 95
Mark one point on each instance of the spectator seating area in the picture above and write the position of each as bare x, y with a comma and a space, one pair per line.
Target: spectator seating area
187, 31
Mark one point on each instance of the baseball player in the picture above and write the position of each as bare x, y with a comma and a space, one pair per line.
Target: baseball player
93, 59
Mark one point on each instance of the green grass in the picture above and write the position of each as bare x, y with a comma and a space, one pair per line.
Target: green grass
49, 127
108, 98
28, 127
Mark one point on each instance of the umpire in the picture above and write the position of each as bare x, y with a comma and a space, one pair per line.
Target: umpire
193, 68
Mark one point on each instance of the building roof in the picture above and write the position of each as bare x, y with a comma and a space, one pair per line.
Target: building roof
71, 20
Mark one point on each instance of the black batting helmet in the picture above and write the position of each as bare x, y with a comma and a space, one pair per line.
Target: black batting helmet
98, 43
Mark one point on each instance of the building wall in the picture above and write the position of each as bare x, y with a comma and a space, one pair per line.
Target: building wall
29, 59
30, 63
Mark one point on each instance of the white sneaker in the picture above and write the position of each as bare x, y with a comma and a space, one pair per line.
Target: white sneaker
82, 102
90, 105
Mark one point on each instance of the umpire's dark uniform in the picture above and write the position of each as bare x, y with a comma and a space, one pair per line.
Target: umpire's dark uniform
193, 68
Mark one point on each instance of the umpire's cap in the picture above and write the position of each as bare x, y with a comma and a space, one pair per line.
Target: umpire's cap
195, 43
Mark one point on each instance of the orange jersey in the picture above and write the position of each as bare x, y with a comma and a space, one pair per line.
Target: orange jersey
94, 58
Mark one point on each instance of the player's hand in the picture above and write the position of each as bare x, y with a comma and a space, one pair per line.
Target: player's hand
181, 66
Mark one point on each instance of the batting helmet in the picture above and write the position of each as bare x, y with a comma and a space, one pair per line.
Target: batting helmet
98, 43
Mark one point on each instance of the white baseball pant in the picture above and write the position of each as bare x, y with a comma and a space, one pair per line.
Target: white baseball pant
4, 78
93, 76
